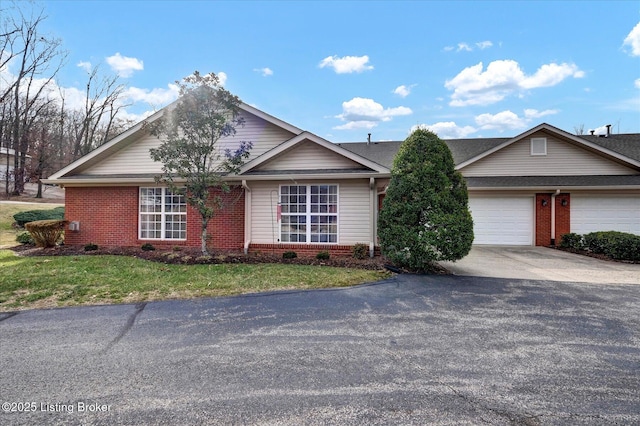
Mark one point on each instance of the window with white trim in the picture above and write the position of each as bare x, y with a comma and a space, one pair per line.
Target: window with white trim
163, 215
538, 146
309, 214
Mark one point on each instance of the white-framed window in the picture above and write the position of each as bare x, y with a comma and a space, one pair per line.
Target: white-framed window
163, 215
538, 146
309, 214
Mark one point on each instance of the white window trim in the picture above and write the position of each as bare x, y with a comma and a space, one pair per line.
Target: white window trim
163, 213
537, 143
308, 214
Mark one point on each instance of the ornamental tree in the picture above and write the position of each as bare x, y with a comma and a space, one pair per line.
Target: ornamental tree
196, 152
425, 215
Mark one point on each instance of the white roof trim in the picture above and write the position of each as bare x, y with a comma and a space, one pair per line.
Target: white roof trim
308, 136
552, 129
138, 127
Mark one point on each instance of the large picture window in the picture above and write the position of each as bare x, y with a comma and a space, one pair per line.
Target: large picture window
309, 213
163, 215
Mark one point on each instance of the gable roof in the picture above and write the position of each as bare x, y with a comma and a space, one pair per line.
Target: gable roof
622, 147
308, 136
135, 132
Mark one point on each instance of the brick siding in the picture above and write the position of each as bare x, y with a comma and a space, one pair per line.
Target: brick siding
108, 216
543, 220
563, 216
307, 250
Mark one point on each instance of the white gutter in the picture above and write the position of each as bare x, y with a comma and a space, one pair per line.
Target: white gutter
247, 216
553, 216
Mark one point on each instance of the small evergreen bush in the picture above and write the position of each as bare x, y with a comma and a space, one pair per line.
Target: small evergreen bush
572, 241
617, 245
25, 238
360, 251
323, 255
148, 247
289, 255
46, 233
23, 218
90, 247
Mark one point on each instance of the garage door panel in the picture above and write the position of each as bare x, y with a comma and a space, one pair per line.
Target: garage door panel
502, 220
591, 214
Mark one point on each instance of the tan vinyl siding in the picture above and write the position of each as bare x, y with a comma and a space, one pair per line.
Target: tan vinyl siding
353, 210
309, 156
562, 159
135, 158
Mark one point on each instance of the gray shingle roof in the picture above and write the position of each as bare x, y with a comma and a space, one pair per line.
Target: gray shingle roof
551, 181
465, 149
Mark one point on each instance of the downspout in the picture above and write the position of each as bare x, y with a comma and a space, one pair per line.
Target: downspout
247, 216
553, 217
372, 215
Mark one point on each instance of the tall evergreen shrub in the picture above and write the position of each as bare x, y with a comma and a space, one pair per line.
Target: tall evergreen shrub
425, 215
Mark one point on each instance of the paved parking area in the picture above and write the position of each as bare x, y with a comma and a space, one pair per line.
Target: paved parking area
542, 263
439, 350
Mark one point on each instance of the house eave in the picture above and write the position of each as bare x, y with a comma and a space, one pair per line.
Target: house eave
553, 188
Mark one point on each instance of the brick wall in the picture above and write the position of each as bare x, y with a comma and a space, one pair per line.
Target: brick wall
563, 216
543, 219
108, 216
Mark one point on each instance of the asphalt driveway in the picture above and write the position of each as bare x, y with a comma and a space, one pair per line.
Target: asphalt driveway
409, 350
542, 263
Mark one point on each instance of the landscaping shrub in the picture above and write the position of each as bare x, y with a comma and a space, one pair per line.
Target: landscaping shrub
90, 247
289, 255
360, 251
425, 215
25, 238
148, 247
572, 241
46, 233
617, 245
23, 218
323, 255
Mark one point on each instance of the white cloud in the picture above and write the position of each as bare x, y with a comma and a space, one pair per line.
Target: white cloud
366, 113
637, 83
508, 120
534, 113
124, 66
402, 91
466, 47
446, 130
633, 40
264, 71
347, 64
86, 66
155, 97
500, 121
222, 78
476, 86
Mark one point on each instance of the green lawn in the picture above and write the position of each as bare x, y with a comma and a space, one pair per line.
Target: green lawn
7, 233
39, 282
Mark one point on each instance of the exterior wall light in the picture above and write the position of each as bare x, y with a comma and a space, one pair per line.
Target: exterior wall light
564, 202
544, 202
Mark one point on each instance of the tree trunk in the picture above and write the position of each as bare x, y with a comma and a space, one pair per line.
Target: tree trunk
203, 237
39, 194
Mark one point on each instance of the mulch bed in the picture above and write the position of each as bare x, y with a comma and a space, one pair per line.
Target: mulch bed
190, 256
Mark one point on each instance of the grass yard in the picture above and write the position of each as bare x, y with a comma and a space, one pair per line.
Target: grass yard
7, 210
43, 282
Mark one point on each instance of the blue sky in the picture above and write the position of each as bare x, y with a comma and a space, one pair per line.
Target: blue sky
345, 69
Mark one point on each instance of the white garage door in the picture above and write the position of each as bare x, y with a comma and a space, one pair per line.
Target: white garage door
502, 221
590, 214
